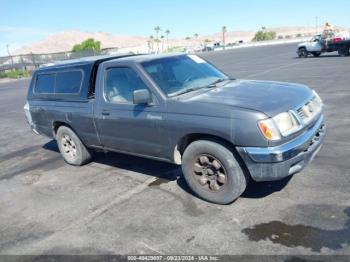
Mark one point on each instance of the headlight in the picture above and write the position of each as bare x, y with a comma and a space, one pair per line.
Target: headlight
269, 130
286, 123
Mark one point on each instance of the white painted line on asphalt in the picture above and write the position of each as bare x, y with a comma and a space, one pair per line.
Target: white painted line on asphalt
114, 201
103, 209
11, 111
275, 68
150, 248
236, 220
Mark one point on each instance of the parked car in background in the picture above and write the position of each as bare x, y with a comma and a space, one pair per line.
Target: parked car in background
198, 49
179, 109
207, 49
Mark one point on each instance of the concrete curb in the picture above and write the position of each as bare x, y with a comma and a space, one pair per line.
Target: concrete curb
7, 80
264, 43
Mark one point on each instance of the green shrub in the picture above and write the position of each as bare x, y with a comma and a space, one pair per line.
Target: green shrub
176, 49
88, 44
264, 36
14, 74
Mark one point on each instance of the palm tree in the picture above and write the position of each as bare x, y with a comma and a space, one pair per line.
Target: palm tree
151, 41
224, 31
167, 32
188, 39
196, 36
157, 41
157, 29
149, 45
162, 40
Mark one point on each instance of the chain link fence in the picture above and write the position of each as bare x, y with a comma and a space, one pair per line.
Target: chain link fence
30, 62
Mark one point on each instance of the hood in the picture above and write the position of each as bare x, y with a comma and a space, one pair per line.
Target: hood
268, 97
302, 44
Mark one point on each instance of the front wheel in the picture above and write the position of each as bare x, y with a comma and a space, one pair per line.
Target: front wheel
302, 52
72, 149
213, 172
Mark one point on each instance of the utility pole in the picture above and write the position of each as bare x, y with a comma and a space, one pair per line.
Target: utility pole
223, 31
316, 24
8, 51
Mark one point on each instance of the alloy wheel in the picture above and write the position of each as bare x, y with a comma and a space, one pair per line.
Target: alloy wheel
209, 173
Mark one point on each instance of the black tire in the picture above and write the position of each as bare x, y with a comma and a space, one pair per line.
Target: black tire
72, 149
199, 179
344, 50
316, 54
302, 52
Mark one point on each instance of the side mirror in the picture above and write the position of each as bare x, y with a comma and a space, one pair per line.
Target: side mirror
142, 96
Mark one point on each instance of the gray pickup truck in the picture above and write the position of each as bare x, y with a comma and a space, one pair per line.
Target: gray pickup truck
181, 109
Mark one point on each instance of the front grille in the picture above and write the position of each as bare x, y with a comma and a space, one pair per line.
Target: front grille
300, 113
309, 110
316, 138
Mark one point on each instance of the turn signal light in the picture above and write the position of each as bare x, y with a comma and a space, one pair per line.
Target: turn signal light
269, 130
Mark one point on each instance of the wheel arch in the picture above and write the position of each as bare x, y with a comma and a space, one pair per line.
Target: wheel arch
187, 139
57, 124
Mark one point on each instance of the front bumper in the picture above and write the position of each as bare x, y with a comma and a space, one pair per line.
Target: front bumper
274, 163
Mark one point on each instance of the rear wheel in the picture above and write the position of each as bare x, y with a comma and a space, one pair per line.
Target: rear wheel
72, 149
212, 172
302, 52
316, 54
344, 51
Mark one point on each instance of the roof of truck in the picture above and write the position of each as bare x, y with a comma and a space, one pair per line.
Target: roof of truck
148, 57
92, 60
84, 61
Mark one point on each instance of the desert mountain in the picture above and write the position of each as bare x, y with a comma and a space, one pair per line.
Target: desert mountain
64, 41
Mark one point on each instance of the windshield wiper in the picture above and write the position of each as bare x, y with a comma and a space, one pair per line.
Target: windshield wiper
180, 92
216, 82
211, 85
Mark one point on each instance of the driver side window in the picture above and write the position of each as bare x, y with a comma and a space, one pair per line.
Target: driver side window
120, 84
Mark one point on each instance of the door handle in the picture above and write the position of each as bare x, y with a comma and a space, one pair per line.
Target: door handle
105, 113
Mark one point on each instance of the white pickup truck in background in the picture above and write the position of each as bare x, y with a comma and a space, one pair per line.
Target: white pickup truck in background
319, 44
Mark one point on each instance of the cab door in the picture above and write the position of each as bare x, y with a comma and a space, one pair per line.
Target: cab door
314, 45
123, 125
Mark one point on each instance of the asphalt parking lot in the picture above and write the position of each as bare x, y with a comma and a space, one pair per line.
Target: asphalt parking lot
127, 205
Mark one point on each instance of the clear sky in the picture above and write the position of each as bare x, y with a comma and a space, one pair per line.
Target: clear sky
25, 21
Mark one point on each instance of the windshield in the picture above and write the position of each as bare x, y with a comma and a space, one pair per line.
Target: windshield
180, 74
315, 38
